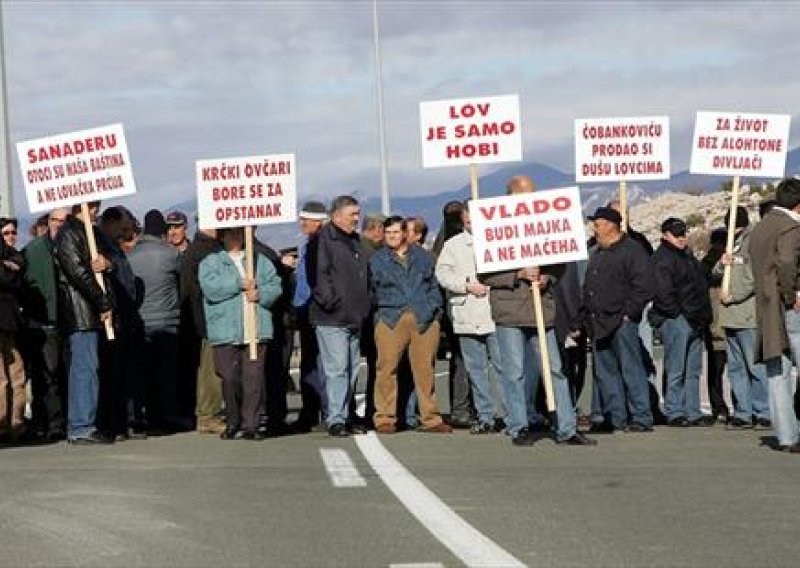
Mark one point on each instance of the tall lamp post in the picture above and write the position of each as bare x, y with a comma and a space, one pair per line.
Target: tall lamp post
6, 187
386, 206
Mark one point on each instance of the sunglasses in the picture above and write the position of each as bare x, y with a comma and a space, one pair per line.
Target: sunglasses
9, 233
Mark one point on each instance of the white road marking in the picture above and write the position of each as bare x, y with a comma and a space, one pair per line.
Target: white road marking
341, 469
461, 538
418, 565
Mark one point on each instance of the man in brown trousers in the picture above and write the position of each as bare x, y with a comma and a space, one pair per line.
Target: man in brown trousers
774, 252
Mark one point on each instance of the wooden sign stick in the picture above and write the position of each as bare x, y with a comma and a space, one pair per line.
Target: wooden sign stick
473, 179
623, 204
726, 275
251, 315
87, 225
544, 355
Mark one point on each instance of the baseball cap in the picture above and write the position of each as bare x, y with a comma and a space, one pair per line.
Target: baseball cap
176, 218
608, 214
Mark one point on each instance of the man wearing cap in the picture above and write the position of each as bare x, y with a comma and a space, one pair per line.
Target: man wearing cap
616, 290
312, 381
155, 264
176, 231
681, 310
737, 315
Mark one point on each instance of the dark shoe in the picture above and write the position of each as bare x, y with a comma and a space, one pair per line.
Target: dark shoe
252, 435
702, 421
302, 427
356, 428
601, 428
137, 434
121, 438
793, 449
638, 428
499, 425
460, 423
386, 428
722, 416
538, 427
481, 428
230, 434
92, 439
578, 439
680, 422
338, 431
523, 438
275, 429
763, 424
440, 428
739, 424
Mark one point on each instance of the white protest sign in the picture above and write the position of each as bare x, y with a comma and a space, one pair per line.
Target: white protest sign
528, 229
623, 148
252, 190
480, 130
77, 167
738, 144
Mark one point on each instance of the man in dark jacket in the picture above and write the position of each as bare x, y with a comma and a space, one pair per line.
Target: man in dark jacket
408, 307
616, 290
338, 276
42, 342
155, 264
681, 310
83, 307
209, 385
12, 371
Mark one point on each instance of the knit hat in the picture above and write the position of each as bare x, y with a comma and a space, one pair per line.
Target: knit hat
154, 223
742, 218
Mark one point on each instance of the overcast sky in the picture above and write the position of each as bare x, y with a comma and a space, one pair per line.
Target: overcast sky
194, 80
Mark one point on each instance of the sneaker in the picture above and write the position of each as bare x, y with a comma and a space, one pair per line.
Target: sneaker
440, 428
638, 428
523, 438
577, 439
481, 428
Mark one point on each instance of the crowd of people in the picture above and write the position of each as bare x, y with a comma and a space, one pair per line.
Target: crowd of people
180, 359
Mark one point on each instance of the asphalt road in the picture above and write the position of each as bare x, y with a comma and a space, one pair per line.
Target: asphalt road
676, 497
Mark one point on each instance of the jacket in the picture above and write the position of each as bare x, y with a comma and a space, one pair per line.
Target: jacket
617, 285
774, 248
740, 313
11, 281
155, 264
221, 283
455, 268
681, 287
338, 274
397, 288
512, 300
39, 300
201, 246
80, 298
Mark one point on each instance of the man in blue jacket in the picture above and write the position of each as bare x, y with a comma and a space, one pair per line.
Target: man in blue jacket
408, 307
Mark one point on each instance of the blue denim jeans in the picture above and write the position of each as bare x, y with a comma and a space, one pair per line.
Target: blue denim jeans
621, 377
513, 341
780, 385
83, 384
748, 378
481, 356
683, 363
339, 355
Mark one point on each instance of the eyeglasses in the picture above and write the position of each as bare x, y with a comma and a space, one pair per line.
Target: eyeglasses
9, 233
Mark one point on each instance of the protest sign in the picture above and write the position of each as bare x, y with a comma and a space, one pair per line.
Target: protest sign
528, 229
479, 130
624, 148
246, 191
739, 144
77, 167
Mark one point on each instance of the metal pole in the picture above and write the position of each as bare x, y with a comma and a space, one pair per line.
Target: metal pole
386, 207
6, 187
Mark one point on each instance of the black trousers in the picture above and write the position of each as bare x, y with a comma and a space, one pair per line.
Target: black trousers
42, 351
242, 384
310, 397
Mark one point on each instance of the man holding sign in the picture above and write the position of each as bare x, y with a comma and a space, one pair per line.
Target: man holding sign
83, 308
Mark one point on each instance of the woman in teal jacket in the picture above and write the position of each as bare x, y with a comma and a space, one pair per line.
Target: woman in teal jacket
227, 293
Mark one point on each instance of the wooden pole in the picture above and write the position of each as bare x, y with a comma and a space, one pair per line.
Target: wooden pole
623, 204
87, 225
544, 355
473, 180
251, 314
726, 275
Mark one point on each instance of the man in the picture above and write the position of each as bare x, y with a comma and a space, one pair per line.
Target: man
209, 385
774, 249
471, 314
177, 232
83, 308
511, 300
312, 380
155, 264
714, 334
339, 280
616, 290
737, 316
12, 370
417, 231
371, 242
408, 306
9, 228
42, 342
681, 310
